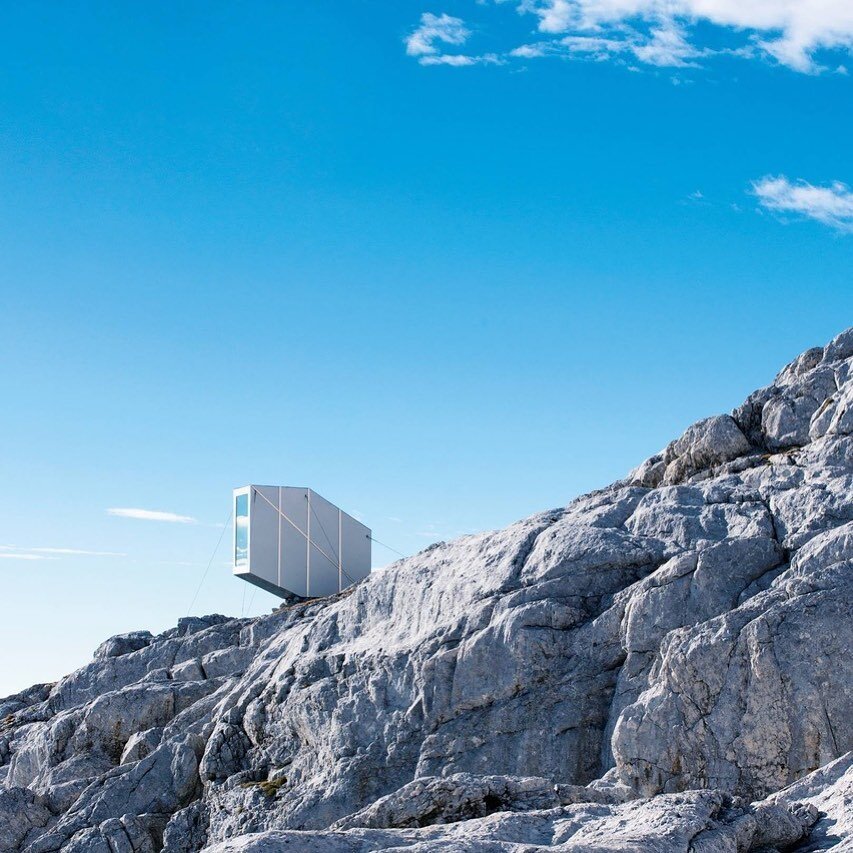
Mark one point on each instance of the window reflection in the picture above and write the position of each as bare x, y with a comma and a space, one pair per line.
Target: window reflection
241, 530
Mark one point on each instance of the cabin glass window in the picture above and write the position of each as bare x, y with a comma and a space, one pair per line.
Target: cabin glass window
241, 530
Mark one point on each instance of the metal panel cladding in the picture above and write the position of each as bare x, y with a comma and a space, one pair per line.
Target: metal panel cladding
290, 540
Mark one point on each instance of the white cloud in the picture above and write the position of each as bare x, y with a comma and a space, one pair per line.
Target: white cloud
17, 552
77, 552
832, 205
697, 198
663, 33
790, 31
530, 51
22, 556
666, 47
435, 29
461, 60
596, 47
152, 515
455, 59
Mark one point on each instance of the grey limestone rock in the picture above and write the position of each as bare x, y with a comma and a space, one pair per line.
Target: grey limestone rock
140, 744
22, 815
447, 799
695, 822
829, 792
123, 644
624, 673
703, 445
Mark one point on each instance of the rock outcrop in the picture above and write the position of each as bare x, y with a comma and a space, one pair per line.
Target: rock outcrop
662, 665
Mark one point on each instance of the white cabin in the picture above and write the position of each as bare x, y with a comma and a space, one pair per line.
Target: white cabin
289, 539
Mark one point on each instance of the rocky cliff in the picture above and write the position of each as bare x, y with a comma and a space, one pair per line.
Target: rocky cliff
663, 665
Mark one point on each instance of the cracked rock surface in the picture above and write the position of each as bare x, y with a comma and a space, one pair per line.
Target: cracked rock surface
662, 665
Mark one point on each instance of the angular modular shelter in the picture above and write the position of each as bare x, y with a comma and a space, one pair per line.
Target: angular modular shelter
291, 540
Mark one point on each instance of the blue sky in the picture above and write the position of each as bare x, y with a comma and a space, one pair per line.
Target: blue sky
292, 243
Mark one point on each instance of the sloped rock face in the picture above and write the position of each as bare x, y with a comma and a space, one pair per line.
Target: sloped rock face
683, 635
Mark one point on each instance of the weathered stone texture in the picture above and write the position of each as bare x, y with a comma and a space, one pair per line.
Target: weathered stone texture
625, 673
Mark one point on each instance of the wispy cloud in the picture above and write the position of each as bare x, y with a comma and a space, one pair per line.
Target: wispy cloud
151, 515
460, 60
434, 30
12, 552
455, 59
14, 555
799, 34
788, 32
77, 552
696, 198
831, 205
